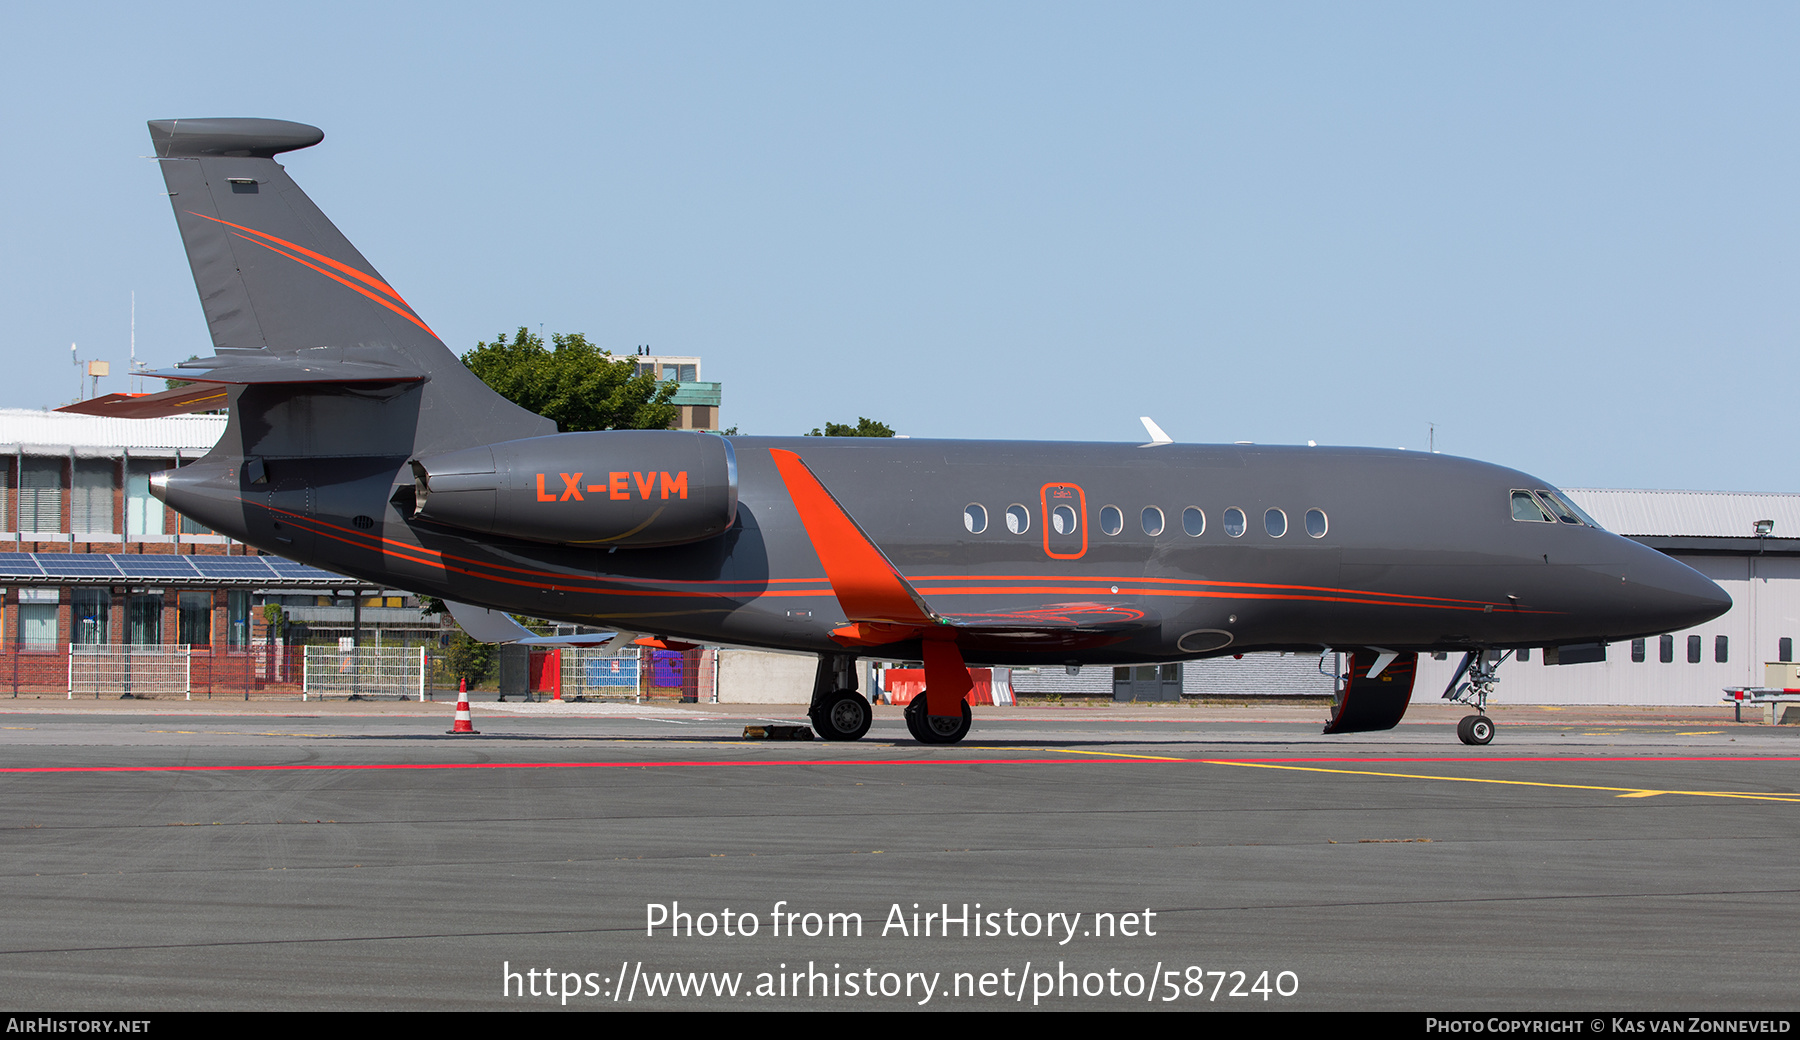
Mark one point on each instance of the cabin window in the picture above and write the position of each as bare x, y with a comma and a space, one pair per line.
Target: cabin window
1637, 651
1721, 649
975, 518
1112, 520
1666, 649
1193, 521
1018, 519
1063, 519
1316, 524
1525, 506
1693, 649
1234, 522
1153, 521
1275, 522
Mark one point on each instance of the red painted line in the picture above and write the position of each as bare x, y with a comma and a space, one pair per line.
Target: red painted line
1124, 759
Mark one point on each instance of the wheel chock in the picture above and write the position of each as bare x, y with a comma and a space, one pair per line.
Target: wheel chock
778, 733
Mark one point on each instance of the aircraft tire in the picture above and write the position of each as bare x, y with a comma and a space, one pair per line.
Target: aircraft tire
1475, 729
843, 715
926, 730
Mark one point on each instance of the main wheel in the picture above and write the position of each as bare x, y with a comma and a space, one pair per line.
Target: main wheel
1475, 729
935, 729
843, 715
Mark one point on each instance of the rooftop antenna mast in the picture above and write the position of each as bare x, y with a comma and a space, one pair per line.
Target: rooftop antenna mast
137, 374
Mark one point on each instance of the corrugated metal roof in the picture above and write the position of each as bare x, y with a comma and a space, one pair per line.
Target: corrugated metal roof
59, 432
1690, 514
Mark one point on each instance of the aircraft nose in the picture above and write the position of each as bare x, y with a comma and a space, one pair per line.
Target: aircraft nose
1671, 595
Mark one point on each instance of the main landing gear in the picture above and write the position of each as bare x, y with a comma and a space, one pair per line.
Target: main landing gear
936, 729
838, 712
1472, 684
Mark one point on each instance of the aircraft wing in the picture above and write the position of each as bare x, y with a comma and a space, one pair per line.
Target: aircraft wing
494, 626
883, 607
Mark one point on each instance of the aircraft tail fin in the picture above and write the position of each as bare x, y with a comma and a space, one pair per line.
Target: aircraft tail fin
295, 310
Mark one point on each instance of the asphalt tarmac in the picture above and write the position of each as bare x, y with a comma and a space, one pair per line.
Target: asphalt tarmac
176, 856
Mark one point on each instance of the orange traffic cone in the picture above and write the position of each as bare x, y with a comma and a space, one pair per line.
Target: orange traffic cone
465, 723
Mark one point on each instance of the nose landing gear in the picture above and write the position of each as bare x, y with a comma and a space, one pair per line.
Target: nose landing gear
1481, 667
1475, 729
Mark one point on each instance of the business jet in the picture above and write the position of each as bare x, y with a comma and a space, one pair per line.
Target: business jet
358, 442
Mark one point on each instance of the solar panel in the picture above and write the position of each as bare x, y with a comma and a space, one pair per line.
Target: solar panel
136, 566
77, 565
15, 564
235, 567
290, 569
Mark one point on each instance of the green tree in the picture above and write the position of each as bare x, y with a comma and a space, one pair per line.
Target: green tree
864, 427
469, 659
576, 384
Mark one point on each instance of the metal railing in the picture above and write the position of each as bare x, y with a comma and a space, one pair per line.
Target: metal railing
130, 670
364, 671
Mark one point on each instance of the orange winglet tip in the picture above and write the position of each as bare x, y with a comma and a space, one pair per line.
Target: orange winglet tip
658, 643
866, 584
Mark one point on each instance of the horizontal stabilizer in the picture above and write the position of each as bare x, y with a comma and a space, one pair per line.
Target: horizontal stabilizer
199, 398
494, 626
306, 365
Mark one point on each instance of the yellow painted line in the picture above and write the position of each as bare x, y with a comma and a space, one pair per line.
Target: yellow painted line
1620, 792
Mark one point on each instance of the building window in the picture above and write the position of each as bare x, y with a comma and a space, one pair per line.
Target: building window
194, 619
1693, 649
1524, 654
37, 619
237, 617
1721, 649
1666, 649
1637, 651
143, 619
40, 495
91, 498
91, 616
1784, 650
143, 511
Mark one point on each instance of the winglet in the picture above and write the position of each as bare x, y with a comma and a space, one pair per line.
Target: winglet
1157, 436
867, 585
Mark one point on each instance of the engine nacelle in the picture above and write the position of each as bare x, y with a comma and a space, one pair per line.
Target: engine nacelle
606, 488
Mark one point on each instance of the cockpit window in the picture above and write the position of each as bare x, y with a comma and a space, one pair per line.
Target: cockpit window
1525, 506
1562, 512
1557, 497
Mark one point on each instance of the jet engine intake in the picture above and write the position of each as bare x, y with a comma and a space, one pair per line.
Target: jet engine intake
629, 488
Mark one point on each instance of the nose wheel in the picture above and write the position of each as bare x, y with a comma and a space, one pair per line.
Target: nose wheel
1475, 729
936, 729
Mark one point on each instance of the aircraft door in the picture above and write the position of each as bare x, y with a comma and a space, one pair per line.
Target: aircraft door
1064, 521
291, 516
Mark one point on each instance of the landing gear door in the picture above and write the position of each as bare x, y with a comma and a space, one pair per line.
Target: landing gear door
1065, 521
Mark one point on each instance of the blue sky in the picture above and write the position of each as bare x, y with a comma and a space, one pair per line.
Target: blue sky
1564, 233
